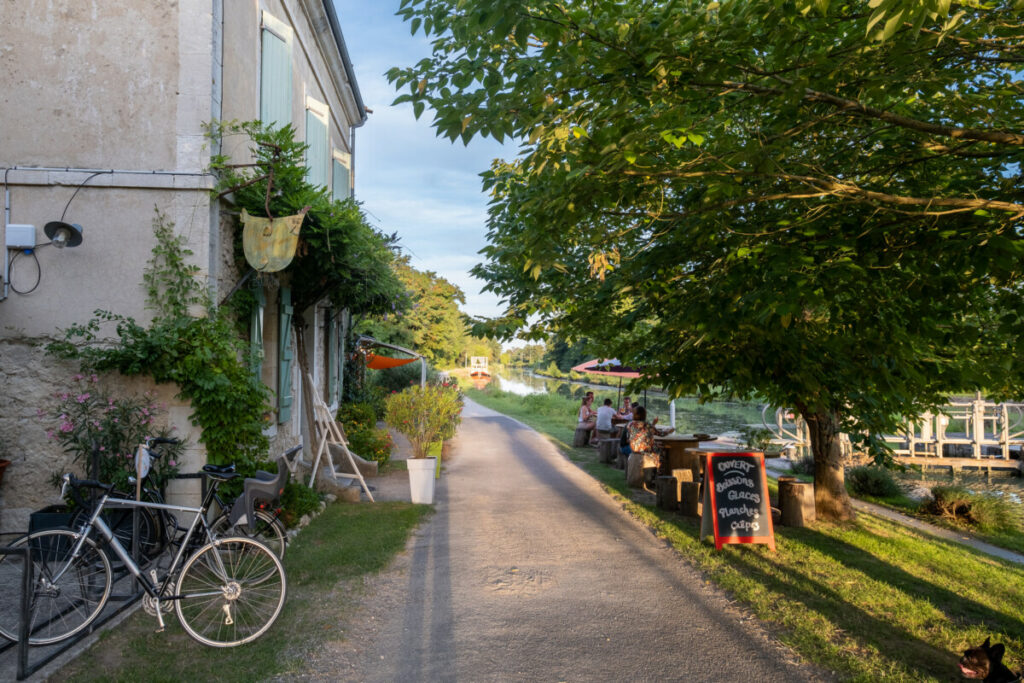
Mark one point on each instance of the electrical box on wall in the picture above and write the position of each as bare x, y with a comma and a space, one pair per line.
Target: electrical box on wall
20, 236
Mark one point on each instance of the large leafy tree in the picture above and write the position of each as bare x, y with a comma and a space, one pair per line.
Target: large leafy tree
817, 202
433, 324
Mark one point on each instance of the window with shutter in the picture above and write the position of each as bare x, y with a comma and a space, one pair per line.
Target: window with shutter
341, 187
316, 138
285, 356
332, 356
276, 72
256, 333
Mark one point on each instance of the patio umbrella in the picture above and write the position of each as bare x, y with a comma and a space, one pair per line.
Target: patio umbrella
611, 367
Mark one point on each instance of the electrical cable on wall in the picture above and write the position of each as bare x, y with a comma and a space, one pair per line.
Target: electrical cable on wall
10, 271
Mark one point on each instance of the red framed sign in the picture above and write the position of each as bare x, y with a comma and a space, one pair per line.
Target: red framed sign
736, 508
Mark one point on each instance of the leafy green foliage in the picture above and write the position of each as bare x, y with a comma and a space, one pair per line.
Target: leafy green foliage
872, 480
816, 203
432, 325
198, 354
296, 501
364, 438
425, 415
340, 256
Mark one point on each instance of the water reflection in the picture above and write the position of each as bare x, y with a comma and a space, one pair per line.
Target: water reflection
720, 418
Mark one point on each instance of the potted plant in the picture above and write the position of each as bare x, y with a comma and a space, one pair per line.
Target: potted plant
425, 415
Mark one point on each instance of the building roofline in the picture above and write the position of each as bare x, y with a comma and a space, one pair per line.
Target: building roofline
339, 38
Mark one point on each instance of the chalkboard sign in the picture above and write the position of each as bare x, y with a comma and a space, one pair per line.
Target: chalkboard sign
736, 507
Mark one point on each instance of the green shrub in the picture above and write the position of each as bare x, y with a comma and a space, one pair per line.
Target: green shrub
425, 414
371, 444
803, 465
872, 480
985, 512
297, 500
356, 415
756, 438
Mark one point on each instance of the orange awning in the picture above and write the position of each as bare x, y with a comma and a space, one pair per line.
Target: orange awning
375, 362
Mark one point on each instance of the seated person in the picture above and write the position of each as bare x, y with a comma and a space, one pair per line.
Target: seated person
644, 453
604, 420
626, 411
587, 419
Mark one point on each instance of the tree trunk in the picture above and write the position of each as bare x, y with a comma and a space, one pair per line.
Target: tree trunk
831, 501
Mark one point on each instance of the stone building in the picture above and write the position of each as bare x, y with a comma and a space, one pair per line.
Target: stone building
102, 112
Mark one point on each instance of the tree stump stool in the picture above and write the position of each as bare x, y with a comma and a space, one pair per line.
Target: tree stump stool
680, 476
781, 479
796, 502
689, 498
667, 493
606, 450
581, 437
620, 461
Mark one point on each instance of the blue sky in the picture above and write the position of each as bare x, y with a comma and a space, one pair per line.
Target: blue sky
411, 182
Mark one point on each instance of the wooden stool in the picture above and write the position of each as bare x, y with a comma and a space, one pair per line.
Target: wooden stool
796, 502
667, 492
581, 437
689, 498
620, 460
606, 450
779, 480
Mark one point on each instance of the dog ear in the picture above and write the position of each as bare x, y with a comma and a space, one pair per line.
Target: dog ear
985, 644
996, 653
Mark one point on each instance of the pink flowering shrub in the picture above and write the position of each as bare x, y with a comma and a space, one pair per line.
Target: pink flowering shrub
85, 420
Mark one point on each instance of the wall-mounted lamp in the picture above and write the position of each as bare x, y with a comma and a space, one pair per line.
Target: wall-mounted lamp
63, 234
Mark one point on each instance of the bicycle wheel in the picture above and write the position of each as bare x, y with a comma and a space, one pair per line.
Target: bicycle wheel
230, 592
268, 530
68, 592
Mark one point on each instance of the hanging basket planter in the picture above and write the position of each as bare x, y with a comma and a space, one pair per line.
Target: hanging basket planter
270, 244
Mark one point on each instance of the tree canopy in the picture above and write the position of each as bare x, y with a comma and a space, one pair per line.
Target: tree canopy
432, 325
818, 202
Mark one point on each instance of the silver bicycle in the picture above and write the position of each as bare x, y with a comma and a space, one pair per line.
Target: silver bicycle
228, 592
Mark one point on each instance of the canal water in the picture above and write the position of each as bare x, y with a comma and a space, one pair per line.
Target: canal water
721, 418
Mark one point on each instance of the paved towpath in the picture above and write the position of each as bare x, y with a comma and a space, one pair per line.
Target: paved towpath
528, 571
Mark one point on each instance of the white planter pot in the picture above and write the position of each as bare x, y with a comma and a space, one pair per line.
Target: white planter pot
421, 479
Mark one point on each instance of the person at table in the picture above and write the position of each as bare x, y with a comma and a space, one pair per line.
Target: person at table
626, 411
643, 451
587, 419
604, 420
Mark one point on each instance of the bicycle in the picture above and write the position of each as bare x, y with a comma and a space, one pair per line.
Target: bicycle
228, 592
159, 529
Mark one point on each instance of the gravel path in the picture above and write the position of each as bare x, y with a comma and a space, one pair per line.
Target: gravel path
528, 571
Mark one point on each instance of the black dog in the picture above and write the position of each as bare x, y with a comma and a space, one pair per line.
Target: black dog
986, 662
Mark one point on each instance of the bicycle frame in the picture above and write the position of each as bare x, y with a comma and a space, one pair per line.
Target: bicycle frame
154, 587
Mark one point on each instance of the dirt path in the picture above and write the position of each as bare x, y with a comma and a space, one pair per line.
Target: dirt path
529, 571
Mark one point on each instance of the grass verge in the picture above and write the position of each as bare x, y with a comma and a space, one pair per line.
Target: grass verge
347, 541
870, 600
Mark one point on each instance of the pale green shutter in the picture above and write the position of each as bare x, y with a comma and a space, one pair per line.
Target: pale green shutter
284, 356
341, 187
332, 357
316, 155
276, 80
256, 333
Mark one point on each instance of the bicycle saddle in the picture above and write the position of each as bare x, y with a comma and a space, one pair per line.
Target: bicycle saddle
221, 472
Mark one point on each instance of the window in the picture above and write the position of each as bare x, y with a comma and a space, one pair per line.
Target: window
316, 138
256, 333
276, 72
341, 185
284, 357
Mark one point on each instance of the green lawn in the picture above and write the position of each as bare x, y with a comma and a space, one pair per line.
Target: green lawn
870, 600
347, 541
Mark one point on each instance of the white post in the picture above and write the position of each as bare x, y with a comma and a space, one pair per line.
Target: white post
672, 413
423, 372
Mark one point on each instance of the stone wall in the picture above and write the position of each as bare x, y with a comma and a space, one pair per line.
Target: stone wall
30, 380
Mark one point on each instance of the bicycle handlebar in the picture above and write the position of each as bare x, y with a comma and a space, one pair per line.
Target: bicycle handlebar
156, 441
292, 451
74, 482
